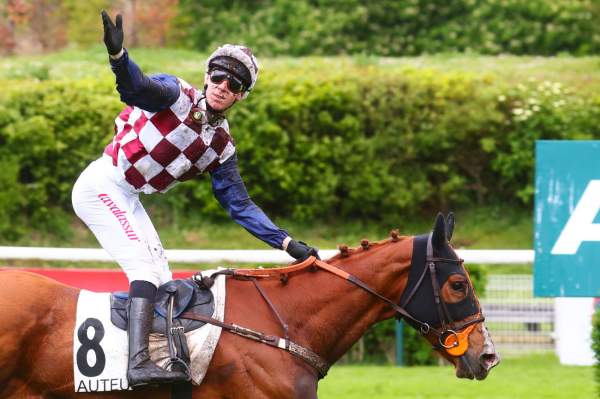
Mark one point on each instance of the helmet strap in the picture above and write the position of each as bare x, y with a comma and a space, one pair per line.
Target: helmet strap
212, 115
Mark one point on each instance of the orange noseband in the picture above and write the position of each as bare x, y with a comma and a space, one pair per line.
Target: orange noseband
457, 343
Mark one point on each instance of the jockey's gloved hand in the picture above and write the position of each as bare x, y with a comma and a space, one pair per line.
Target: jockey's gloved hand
113, 34
300, 251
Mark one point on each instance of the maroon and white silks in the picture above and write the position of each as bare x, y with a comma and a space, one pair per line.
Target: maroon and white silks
156, 150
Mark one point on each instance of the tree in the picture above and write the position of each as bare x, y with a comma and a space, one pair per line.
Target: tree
84, 23
12, 13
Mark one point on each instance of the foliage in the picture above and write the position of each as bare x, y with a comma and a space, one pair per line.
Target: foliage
30, 26
394, 28
326, 140
313, 27
82, 21
596, 346
35, 24
48, 137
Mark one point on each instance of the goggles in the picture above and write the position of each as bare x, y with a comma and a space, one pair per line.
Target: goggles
235, 85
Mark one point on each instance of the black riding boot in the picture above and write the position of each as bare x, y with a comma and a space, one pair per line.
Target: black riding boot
141, 369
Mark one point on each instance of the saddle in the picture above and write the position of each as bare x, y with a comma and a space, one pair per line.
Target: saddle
172, 299
188, 297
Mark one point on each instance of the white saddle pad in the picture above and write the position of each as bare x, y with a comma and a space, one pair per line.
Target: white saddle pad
100, 349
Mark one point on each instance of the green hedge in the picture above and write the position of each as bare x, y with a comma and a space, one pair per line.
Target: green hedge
393, 27
324, 141
49, 132
596, 345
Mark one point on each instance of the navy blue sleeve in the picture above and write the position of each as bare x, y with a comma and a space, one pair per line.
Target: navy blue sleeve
152, 94
230, 191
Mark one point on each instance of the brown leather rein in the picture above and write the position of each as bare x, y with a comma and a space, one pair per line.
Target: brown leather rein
307, 355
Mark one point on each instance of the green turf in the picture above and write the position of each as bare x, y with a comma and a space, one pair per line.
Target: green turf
531, 377
578, 73
478, 228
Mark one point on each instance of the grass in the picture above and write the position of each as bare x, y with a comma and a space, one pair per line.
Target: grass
531, 377
581, 74
476, 228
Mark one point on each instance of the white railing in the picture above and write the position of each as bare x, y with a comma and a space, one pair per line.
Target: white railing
485, 256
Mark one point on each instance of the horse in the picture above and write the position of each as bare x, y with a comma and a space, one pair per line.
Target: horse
324, 307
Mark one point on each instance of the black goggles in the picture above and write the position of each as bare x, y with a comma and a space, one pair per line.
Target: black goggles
235, 85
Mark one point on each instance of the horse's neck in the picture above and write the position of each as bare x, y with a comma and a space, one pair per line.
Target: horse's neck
328, 314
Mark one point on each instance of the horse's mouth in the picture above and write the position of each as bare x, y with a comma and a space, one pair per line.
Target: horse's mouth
480, 370
462, 373
466, 373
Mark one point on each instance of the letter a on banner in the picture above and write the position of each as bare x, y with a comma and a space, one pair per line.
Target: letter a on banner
580, 226
567, 218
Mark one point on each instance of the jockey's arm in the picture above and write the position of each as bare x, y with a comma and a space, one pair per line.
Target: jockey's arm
230, 191
153, 93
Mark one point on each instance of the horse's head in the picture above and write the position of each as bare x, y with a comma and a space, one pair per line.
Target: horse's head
442, 304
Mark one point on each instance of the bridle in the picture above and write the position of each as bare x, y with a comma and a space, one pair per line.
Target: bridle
451, 338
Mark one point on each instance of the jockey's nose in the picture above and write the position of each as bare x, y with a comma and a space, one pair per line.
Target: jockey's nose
224, 85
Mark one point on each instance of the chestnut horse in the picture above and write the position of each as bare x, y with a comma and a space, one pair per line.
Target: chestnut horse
324, 313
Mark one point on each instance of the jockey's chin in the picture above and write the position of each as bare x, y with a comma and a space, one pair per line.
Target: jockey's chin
219, 97
218, 102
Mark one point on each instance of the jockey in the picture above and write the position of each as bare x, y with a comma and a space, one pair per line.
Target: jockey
169, 132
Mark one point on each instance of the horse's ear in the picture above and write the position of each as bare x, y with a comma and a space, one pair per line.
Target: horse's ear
449, 226
438, 238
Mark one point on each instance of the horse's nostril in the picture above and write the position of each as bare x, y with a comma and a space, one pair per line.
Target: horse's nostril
489, 360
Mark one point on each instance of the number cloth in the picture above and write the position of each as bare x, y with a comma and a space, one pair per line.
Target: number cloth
100, 348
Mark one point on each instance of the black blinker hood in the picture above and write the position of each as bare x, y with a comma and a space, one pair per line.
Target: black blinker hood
422, 305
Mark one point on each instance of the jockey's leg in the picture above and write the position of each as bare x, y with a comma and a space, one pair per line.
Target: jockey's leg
155, 246
118, 220
113, 212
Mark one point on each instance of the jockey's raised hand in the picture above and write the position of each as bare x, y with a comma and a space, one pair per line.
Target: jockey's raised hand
113, 34
301, 251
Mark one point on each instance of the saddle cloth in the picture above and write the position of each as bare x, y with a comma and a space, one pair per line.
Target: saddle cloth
100, 348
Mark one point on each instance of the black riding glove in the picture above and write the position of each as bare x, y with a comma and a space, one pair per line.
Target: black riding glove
300, 251
113, 34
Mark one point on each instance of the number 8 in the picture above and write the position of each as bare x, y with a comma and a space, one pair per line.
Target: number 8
91, 345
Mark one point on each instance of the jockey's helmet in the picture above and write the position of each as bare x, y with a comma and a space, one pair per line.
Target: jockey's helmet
237, 60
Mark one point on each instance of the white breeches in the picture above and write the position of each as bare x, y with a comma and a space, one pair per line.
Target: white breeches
110, 207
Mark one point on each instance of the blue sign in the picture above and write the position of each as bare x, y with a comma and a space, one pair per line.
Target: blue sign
567, 219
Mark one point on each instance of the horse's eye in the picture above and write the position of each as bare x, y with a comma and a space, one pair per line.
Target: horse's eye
458, 286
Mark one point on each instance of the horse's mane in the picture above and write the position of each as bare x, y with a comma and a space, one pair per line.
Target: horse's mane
365, 244
345, 252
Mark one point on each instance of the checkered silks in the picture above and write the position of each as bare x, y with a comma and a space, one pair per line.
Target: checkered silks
156, 150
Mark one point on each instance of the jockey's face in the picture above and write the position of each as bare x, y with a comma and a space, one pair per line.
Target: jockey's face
218, 95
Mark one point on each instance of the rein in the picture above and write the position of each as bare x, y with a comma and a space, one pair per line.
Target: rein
453, 341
